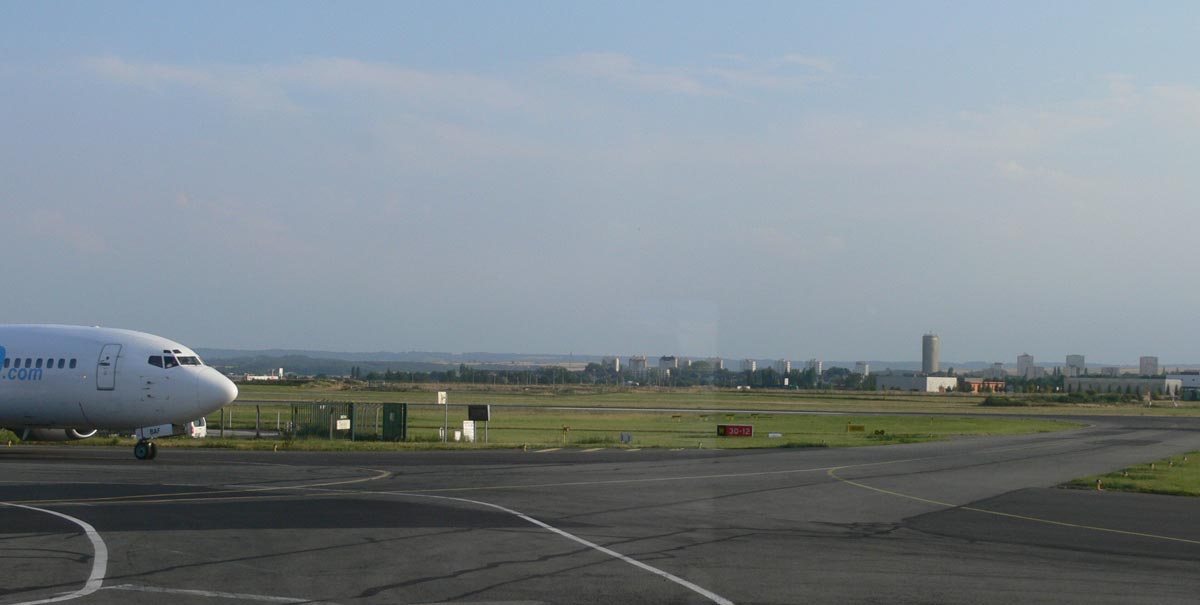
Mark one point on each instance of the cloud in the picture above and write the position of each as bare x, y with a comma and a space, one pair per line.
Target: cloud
245, 87
817, 63
708, 81
275, 87
622, 69
53, 225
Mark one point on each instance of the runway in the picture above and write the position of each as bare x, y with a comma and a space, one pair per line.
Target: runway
968, 520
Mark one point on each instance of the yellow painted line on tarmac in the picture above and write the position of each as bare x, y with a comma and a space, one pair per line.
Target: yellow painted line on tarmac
833, 473
548, 450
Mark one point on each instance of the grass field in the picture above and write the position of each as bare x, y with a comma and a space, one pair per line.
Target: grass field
603, 428
1176, 476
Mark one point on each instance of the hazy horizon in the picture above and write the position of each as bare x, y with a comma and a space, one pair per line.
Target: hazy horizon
768, 180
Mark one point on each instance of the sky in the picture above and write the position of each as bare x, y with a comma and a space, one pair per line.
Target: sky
770, 180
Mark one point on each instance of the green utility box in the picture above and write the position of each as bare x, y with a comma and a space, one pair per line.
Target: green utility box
395, 422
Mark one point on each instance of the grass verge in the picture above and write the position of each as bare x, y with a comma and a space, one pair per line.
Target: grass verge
539, 428
1175, 476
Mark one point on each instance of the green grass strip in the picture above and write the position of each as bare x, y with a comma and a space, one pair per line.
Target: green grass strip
1174, 476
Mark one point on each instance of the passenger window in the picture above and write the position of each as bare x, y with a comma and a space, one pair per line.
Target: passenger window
50, 363
6, 360
29, 362
72, 364
38, 365
156, 361
60, 363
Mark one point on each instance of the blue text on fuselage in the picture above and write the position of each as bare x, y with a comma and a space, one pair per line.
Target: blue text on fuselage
17, 373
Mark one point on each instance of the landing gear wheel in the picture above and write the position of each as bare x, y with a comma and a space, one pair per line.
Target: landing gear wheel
144, 450
153, 450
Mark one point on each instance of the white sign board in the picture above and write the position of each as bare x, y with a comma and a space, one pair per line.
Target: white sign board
343, 424
150, 432
468, 431
441, 397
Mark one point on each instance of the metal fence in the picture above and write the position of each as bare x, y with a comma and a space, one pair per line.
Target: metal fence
352, 421
320, 420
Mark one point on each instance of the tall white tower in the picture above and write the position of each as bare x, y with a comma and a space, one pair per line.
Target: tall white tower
930, 348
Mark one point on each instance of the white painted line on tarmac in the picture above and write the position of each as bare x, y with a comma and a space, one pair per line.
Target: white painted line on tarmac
548, 450
594, 449
636, 449
211, 593
708, 594
99, 558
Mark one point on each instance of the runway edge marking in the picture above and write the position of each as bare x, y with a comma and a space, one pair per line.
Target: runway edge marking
99, 559
833, 473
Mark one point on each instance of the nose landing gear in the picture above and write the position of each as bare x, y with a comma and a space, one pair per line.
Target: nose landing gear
145, 450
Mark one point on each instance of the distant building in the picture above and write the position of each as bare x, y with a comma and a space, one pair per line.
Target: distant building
1135, 386
749, 365
782, 366
930, 350
982, 385
1148, 366
637, 364
816, 365
668, 362
923, 384
996, 372
717, 363
863, 368
612, 364
1025, 366
276, 375
1075, 366
1189, 380
1110, 371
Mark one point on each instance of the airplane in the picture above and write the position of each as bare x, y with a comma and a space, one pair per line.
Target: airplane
68, 382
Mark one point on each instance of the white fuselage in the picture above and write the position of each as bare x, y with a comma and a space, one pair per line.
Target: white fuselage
85, 378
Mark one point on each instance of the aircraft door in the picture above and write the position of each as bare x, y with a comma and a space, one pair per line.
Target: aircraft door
106, 367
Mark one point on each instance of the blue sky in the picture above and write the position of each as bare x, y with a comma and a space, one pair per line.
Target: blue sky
767, 179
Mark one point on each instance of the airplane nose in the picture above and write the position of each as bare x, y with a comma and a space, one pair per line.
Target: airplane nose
216, 390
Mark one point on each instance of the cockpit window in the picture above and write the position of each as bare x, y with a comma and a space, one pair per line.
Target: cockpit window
169, 361
156, 361
188, 360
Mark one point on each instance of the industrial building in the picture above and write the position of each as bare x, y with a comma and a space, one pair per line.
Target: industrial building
749, 365
782, 366
930, 350
668, 362
924, 384
612, 364
862, 367
982, 385
816, 365
1161, 387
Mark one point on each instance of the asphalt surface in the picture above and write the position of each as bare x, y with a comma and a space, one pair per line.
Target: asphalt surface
971, 520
